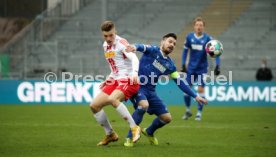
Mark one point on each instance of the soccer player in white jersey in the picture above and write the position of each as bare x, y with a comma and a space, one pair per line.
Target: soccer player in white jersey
121, 84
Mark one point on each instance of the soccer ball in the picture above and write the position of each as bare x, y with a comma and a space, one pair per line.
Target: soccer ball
214, 48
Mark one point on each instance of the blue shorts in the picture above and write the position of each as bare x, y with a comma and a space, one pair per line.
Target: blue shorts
198, 79
156, 105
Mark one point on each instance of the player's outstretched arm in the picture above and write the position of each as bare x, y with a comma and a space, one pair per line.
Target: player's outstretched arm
130, 48
185, 88
138, 47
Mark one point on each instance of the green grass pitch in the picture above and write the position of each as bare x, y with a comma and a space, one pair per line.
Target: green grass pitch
68, 130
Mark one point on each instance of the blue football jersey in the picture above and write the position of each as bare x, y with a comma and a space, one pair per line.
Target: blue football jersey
198, 62
153, 65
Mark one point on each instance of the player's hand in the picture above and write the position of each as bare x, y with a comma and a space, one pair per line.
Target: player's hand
130, 48
102, 85
201, 100
184, 68
217, 70
135, 79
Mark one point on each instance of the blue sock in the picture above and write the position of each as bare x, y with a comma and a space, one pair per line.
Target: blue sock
200, 106
187, 100
137, 117
156, 124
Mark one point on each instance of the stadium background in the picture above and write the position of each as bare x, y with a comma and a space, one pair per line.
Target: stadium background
63, 36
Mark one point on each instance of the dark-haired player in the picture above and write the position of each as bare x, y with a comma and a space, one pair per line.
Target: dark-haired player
154, 63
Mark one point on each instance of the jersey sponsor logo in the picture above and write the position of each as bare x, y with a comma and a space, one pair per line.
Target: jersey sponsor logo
197, 47
159, 66
110, 54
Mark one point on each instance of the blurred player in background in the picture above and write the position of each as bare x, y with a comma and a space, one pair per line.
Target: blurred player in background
197, 65
121, 84
154, 63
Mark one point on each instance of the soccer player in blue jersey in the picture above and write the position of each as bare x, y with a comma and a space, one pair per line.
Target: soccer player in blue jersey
197, 65
154, 63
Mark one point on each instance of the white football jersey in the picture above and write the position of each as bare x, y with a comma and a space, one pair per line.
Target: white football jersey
120, 65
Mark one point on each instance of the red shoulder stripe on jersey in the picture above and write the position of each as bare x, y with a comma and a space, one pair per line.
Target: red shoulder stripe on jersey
124, 42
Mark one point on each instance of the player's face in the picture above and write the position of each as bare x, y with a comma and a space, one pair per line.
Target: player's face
168, 45
199, 27
109, 36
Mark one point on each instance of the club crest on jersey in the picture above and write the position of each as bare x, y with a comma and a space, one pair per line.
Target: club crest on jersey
159, 66
110, 54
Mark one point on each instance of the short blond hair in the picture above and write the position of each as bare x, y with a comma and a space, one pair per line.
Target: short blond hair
199, 19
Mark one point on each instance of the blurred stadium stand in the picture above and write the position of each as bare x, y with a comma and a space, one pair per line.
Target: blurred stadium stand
67, 37
9, 27
250, 39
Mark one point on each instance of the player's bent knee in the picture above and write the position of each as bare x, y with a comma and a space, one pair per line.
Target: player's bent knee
144, 106
113, 101
92, 104
95, 108
167, 119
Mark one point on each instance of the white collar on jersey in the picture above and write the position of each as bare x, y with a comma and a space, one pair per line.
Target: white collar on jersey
198, 37
162, 53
